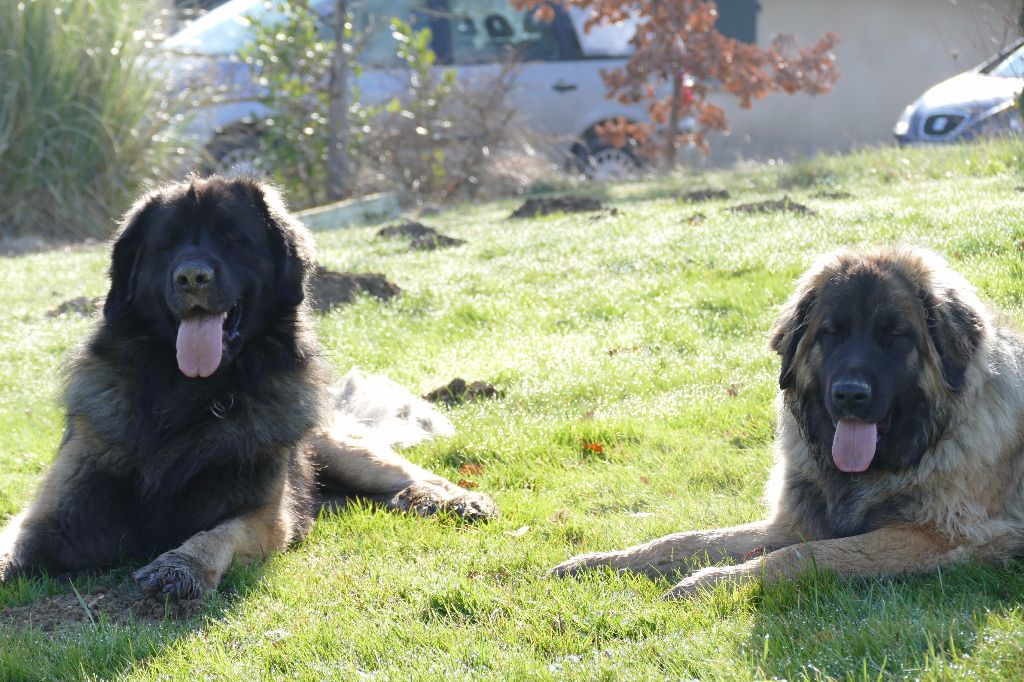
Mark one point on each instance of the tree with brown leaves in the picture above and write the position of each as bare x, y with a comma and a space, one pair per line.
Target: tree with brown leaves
680, 58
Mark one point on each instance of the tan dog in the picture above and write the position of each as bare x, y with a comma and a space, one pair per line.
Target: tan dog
900, 439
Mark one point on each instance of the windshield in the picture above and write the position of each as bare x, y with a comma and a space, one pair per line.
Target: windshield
225, 29
1012, 66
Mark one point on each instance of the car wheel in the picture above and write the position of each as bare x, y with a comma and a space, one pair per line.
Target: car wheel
237, 151
605, 163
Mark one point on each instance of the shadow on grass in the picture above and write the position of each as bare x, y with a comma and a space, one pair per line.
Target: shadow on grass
70, 640
824, 627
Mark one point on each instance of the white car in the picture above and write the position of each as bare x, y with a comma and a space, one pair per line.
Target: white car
973, 104
558, 86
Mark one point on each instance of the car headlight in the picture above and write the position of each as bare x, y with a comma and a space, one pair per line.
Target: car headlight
902, 126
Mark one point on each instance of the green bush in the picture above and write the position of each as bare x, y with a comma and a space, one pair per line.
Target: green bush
83, 120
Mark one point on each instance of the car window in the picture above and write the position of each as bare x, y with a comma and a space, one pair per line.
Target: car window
604, 39
371, 24
224, 30
1011, 67
484, 31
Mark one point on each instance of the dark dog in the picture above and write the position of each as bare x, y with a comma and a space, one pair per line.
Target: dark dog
900, 423
200, 421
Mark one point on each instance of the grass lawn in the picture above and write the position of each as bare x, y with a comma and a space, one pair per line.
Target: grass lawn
643, 332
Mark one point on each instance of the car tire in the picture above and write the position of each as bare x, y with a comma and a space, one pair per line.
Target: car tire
236, 150
609, 164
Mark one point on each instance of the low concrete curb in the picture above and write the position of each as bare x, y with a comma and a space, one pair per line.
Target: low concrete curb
352, 212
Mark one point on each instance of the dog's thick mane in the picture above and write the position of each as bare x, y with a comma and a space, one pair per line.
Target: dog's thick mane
178, 425
958, 371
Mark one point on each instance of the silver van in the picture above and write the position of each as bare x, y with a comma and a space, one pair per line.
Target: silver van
557, 89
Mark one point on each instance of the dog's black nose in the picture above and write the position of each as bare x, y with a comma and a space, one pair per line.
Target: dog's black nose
851, 394
192, 275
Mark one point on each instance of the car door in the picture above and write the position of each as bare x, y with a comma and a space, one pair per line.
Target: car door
480, 37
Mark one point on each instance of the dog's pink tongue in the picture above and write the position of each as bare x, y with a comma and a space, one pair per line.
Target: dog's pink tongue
200, 342
853, 446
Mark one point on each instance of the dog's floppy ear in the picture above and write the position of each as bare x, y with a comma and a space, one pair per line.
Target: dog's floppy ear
789, 329
292, 242
124, 261
955, 329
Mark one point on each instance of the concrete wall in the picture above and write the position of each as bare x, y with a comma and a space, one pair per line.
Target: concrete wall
891, 52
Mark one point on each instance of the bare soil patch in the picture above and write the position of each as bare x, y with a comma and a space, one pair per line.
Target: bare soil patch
547, 205
329, 289
457, 391
115, 605
783, 205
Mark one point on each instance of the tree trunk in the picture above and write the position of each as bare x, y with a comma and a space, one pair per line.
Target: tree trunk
337, 118
673, 121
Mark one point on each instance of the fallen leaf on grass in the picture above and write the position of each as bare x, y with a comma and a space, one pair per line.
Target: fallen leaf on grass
592, 447
733, 389
467, 484
471, 469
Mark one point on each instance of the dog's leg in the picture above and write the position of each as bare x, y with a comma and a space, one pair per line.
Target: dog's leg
668, 554
887, 551
196, 567
373, 470
8, 541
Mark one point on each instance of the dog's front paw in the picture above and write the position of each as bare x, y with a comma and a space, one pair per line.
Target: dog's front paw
426, 500
705, 580
471, 506
174, 574
584, 562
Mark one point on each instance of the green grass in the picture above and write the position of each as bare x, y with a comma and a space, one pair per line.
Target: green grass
682, 408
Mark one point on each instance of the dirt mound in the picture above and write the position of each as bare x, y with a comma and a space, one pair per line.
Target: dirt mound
409, 228
430, 242
837, 194
706, 194
784, 205
423, 238
329, 289
457, 391
116, 605
79, 305
606, 213
547, 205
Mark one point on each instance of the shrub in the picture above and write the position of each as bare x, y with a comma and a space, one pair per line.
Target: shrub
411, 144
82, 119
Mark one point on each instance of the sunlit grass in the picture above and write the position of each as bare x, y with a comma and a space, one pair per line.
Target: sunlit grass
643, 333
